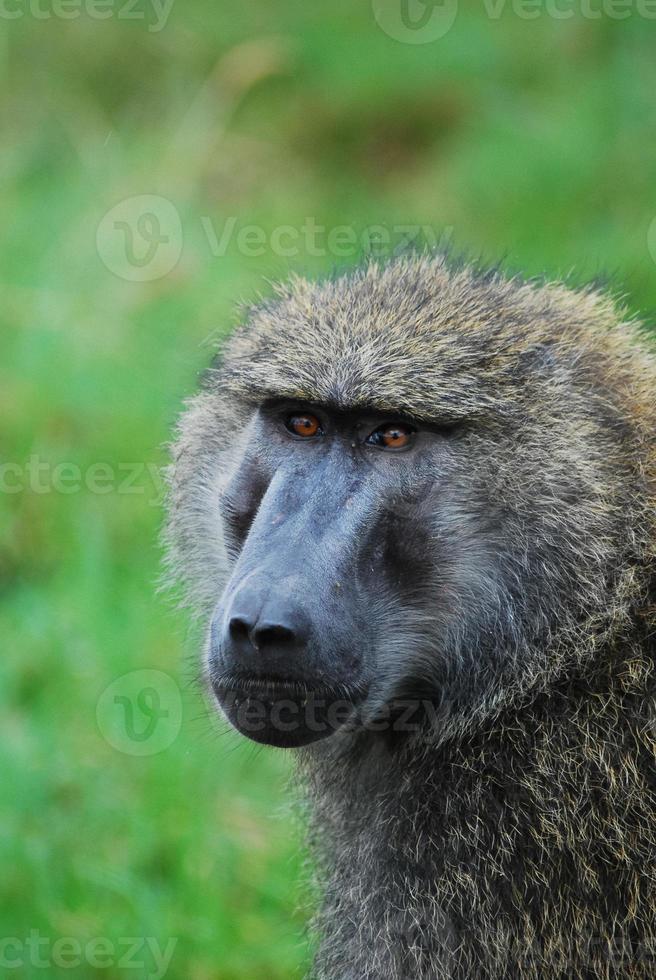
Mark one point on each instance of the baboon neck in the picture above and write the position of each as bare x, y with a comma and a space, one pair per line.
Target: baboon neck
498, 842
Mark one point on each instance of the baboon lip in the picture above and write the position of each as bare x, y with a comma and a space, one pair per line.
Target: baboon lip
284, 713
273, 688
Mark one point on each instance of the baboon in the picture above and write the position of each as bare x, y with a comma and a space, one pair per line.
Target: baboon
415, 505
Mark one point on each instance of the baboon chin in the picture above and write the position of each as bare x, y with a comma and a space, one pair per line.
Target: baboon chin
415, 506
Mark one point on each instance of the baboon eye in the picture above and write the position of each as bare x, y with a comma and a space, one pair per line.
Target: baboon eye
392, 435
304, 425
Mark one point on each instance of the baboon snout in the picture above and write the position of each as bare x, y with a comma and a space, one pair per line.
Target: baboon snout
263, 633
280, 673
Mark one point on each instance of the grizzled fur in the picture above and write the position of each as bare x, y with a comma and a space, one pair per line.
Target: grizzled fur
517, 837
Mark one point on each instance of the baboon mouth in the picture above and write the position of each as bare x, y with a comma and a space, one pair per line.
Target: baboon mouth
284, 713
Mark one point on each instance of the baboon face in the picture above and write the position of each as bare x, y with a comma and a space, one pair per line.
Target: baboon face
355, 554
407, 492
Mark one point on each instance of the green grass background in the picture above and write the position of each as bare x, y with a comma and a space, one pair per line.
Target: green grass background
531, 140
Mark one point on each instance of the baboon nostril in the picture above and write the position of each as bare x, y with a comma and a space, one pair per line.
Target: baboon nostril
269, 634
239, 628
259, 634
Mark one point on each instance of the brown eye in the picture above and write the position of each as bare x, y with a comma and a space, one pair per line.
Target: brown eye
304, 425
394, 435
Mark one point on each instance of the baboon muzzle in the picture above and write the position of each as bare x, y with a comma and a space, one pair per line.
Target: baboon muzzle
282, 661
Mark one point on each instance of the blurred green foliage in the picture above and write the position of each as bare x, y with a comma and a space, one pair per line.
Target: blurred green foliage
529, 140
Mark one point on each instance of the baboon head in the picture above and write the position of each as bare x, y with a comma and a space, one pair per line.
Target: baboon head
414, 486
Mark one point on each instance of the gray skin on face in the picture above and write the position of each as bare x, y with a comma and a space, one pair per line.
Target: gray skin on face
334, 574
457, 636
